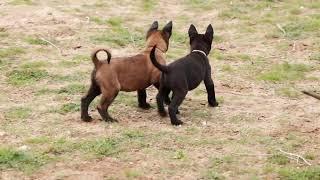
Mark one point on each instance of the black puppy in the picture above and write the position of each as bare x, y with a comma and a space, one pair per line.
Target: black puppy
186, 73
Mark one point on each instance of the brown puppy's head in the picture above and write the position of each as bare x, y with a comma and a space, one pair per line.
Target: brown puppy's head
201, 41
159, 38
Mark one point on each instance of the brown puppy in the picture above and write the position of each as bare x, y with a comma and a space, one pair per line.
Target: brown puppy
133, 73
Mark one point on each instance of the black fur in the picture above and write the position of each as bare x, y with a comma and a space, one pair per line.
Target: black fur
186, 74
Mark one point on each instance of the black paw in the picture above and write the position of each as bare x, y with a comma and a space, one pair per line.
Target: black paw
163, 113
86, 118
110, 119
145, 106
214, 104
176, 123
178, 112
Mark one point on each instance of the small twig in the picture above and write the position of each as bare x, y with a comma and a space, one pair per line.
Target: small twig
281, 29
298, 157
311, 94
60, 51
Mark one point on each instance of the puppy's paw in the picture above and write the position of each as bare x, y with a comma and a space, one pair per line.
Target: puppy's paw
163, 113
176, 123
145, 106
214, 104
86, 118
178, 112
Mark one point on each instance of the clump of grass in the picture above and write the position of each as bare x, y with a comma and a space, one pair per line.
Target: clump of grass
315, 57
26, 76
179, 155
285, 72
77, 60
34, 64
72, 89
288, 92
4, 34
148, 5
200, 4
102, 147
69, 107
11, 52
226, 68
11, 158
278, 159
18, 113
297, 28
133, 134
300, 174
21, 2
35, 41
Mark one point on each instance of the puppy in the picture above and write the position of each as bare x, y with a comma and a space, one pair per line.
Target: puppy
133, 73
186, 74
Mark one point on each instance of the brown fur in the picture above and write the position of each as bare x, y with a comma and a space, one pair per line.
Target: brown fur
133, 73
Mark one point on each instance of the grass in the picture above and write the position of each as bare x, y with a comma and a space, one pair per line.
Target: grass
22, 2
301, 27
11, 52
35, 41
285, 72
315, 57
20, 160
148, 5
72, 89
18, 113
278, 159
288, 92
300, 174
26, 76
69, 107
200, 4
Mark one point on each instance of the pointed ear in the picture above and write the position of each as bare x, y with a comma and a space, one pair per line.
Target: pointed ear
153, 27
209, 33
192, 31
167, 29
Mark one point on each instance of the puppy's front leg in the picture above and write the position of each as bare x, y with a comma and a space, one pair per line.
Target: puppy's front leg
210, 89
142, 99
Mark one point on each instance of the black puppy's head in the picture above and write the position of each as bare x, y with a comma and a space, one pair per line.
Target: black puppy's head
157, 37
201, 41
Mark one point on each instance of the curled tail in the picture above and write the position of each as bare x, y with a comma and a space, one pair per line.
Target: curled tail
154, 61
95, 59
312, 94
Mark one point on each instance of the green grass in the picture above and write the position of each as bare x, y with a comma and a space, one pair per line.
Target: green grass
310, 173
4, 34
278, 159
300, 27
315, 57
285, 72
11, 52
200, 4
75, 61
72, 89
35, 41
20, 160
18, 113
288, 92
26, 76
69, 107
34, 64
132, 174
22, 2
148, 5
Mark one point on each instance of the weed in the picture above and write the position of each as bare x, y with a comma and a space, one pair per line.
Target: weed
315, 57
133, 134
179, 155
288, 92
132, 174
22, 2
148, 5
102, 147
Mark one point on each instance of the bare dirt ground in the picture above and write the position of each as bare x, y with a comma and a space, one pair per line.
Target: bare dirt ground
265, 53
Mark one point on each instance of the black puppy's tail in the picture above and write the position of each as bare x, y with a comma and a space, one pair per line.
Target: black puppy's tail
97, 63
312, 94
162, 68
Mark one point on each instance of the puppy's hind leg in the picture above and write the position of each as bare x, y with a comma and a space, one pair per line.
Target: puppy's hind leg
104, 105
160, 99
93, 92
166, 96
173, 107
142, 99
210, 90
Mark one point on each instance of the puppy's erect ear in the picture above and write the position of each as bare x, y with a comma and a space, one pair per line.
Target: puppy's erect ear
209, 33
153, 27
167, 29
192, 31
